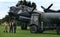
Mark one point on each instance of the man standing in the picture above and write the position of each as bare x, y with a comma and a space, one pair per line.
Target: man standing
14, 27
5, 26
11, 26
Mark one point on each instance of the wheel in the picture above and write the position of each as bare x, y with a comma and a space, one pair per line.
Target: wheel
33, 29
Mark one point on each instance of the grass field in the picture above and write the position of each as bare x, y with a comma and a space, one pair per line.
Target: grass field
26, 33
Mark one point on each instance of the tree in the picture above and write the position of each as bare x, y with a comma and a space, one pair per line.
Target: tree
24, 2
19, 3
34, 5
0, 21
7, 18
29, 4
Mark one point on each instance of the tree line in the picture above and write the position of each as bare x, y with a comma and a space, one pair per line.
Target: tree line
26, 3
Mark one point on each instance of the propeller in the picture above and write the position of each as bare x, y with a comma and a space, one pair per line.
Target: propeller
47, 9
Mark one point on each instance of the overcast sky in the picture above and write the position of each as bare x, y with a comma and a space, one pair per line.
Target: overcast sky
5, 4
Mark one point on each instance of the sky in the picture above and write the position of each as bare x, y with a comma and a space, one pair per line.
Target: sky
6, 4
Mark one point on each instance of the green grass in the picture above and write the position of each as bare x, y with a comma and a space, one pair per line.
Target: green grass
26, 33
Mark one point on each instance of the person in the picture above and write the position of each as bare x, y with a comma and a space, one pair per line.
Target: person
11, 26
5, 26
14, 27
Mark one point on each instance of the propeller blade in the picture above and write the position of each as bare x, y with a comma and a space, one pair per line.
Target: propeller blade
42, 7
50, 6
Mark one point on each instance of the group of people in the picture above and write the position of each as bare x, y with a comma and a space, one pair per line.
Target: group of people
11, 27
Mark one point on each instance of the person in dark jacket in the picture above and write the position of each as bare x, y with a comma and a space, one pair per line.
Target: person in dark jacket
14, 26
11, 26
